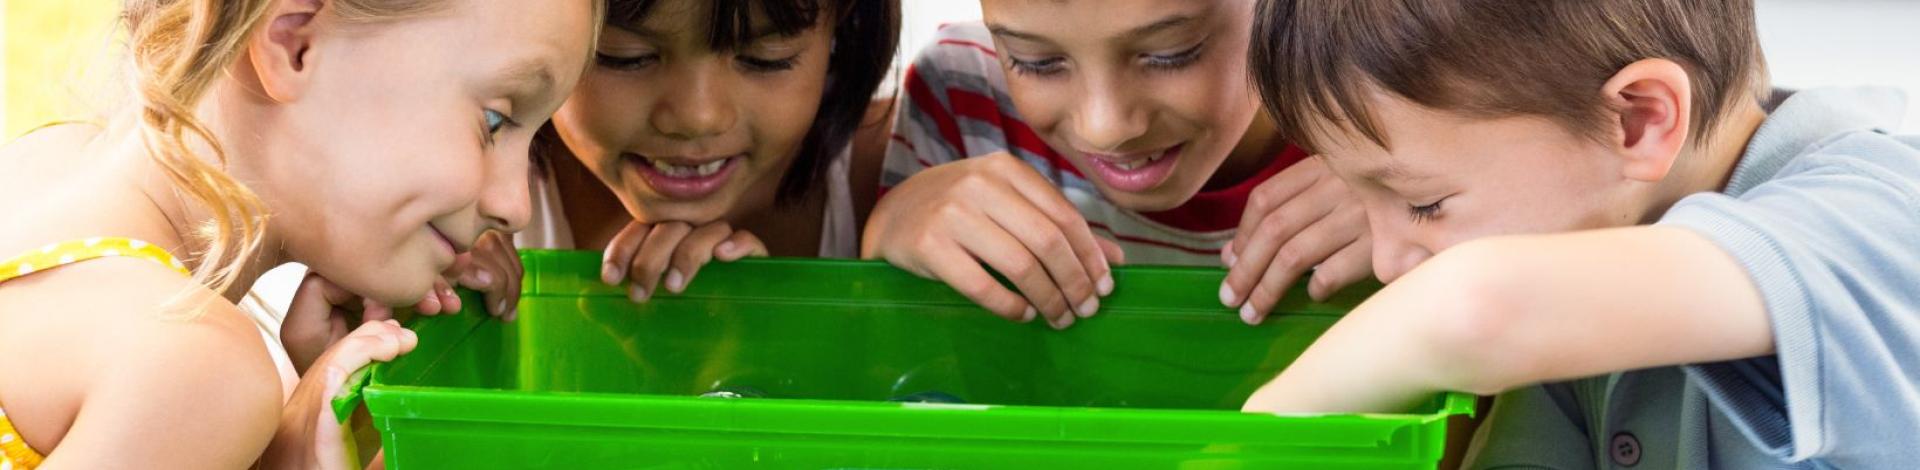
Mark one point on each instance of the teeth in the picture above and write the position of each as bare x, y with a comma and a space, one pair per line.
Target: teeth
688, 171
1129, 166
711, 167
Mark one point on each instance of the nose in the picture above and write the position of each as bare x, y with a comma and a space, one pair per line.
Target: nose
1109, 114
700, 107
1395, 253
504, 202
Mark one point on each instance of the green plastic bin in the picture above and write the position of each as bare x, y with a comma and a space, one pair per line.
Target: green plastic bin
587, 379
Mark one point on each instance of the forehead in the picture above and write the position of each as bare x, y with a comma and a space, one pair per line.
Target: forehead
718, 25
1099, 20
531, 44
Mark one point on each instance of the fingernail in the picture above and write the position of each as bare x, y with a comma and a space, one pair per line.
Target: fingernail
1227, 296
1028, 315
500, 308
638, 294
610, 274
411, 335
483, 277
1062, 322
1247, 315
1229, 257
1089, 307
725, 247
675, 281
1105, 286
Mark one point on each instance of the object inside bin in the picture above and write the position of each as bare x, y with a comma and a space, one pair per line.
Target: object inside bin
931, 396
734, 392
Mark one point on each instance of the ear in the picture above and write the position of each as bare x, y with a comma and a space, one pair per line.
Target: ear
280, 54
1653, 101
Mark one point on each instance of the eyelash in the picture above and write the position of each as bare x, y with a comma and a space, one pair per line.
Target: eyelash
626, 63
1426, 213
751, 63
1051, 66
493, 126
1039, 68
1176, 61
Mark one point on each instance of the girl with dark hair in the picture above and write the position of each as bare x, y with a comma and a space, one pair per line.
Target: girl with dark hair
705, 125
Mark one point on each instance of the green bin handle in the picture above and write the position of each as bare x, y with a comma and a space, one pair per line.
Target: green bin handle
350, 393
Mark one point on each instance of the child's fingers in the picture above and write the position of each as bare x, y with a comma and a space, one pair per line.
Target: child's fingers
1264, 248
1310, 247
950, 265
991, 244
650, 263
741, 244
376, 341
1112, 250
1045, 242
1346, 267
620, 250
1270, 195
694, 252
1043, 196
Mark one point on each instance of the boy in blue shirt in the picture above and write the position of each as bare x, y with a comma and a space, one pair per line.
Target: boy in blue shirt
1602, 212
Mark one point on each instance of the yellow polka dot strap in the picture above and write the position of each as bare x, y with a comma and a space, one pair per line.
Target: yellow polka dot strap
14, 453
65, 253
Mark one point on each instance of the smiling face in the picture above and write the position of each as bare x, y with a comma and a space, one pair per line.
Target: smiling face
1146, 97
1449, 178
682, 131
411, 138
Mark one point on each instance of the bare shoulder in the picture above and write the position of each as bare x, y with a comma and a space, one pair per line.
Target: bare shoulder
50, 139
163, 369
29, 160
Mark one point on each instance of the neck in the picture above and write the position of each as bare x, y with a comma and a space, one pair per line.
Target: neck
1256, 149
1711, 165
182, 216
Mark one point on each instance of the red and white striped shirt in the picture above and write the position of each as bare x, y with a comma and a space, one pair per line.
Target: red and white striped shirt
956, 106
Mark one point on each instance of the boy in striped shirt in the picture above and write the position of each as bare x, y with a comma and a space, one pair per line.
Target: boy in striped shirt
1046, 149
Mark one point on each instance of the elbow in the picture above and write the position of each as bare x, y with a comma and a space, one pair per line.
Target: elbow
1477, 336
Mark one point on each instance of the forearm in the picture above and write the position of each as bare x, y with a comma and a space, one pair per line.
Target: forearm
1491, 315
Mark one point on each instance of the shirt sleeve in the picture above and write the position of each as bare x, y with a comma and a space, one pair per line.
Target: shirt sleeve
1832, 243
926, 129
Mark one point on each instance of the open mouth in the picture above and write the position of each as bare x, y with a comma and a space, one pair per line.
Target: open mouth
1135, 172
683, 178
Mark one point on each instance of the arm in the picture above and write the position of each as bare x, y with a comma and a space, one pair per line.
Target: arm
1499, 313
180, 394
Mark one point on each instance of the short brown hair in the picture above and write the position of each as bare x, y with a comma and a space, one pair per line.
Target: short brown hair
1318, 59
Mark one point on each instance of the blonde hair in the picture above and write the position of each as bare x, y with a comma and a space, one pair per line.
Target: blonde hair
179, 48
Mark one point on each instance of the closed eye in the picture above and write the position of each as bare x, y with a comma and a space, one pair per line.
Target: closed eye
1426, 213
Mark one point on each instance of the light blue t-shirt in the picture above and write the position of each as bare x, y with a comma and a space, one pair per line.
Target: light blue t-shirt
1823, 212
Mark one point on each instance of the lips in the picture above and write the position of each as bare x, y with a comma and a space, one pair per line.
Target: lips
683, 178
1136, 172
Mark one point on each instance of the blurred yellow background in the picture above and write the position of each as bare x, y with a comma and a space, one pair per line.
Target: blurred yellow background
54, 54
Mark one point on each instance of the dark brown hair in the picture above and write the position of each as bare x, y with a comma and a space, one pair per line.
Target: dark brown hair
864, 42
1315, 61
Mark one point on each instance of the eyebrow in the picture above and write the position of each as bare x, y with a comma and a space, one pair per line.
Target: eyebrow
1390, 172
534, 77
1148, 29
650, 33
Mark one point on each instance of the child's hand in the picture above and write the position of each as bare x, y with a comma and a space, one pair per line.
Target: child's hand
645, 253
310, 434
1304, 218
493, 268
945, 221
318, 316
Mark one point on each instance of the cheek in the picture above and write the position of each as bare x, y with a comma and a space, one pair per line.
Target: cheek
1043, 103
598, 121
